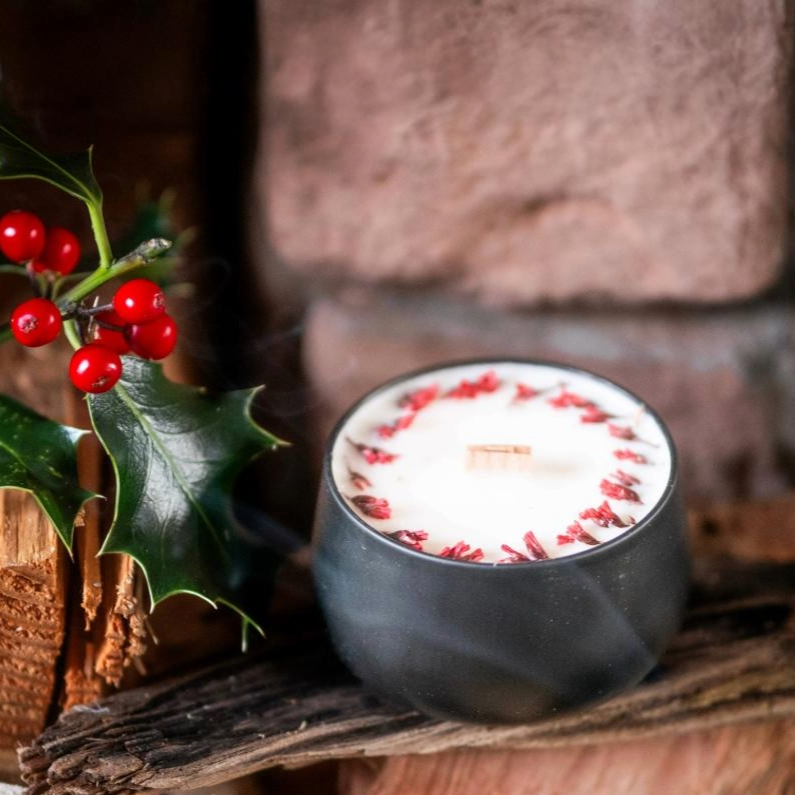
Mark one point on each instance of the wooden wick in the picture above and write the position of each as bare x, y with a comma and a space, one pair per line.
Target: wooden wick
514, 457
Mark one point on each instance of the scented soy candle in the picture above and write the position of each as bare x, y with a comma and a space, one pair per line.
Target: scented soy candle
496, 541
502, 464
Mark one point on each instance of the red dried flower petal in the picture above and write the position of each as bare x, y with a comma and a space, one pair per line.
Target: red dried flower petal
621, 432
630, 455
374, 507
534, 549
400, 424
373, 455
618, 492
419, 398
604, 516
514, 556
460, 551
488, 382
576, 532
594, 414
625, 478
411, 538
449, 552
525, 392
568, 399
358, 480
464, 390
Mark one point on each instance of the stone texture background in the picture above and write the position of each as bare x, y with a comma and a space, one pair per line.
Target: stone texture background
522, 152
723, 382
602, 183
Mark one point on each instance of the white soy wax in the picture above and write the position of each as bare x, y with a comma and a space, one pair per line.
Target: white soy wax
502, 462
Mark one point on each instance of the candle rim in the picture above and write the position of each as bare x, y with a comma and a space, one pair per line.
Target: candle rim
603, 548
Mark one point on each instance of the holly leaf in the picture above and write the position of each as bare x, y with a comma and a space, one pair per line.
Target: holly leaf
72, 173
176, 451
39, 456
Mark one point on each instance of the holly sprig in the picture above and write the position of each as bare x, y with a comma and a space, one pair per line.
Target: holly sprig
175, 450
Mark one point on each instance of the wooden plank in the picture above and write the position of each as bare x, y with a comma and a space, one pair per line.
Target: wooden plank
32, 567
741, 759
733, 661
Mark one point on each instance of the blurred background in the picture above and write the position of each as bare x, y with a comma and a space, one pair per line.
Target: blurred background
373, 186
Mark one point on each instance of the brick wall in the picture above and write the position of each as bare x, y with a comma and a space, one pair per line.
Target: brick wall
601, 183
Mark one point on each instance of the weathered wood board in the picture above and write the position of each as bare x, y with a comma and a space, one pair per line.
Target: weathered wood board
734, 660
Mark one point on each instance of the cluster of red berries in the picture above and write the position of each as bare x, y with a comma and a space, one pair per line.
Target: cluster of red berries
23, 239
136, 320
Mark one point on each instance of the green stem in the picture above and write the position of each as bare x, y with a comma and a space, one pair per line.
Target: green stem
71, 334
143, 255
100, 234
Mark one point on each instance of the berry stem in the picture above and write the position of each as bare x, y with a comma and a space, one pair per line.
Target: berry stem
100, 235
142, 255
96, 310
71, 333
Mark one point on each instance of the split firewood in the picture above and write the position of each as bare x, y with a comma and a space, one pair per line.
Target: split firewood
33, 571
46, 600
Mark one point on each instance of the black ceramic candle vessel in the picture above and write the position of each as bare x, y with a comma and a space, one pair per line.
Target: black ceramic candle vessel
517, 627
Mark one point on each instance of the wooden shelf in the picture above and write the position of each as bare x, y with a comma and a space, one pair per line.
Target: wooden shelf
293, 704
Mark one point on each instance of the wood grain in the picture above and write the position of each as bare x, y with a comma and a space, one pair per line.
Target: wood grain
32, 568
32, 621
742, 759
734, 660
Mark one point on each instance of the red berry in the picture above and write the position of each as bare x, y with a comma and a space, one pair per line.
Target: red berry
111, 338
21, 236
36, 322
95, 368
153, 340
139, 301
61, 252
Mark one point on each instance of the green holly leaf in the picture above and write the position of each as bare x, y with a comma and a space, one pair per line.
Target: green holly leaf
39, 456
71, 173
176, 452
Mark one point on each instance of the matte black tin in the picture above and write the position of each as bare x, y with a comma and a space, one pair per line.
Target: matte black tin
499, 643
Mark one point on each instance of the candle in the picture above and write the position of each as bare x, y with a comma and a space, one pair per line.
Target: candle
502, 463
500, 541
